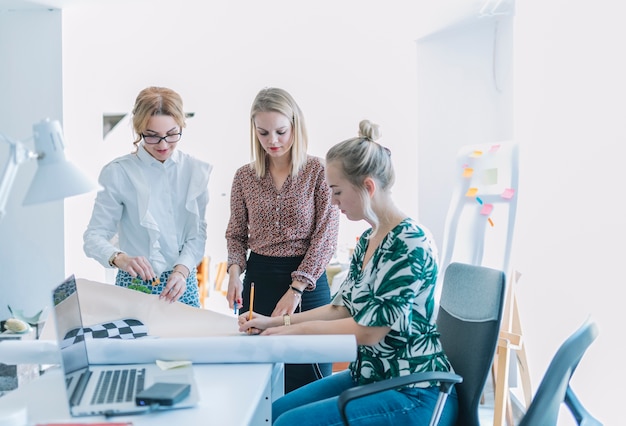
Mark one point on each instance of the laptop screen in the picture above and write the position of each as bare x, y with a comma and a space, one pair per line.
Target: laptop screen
69, 326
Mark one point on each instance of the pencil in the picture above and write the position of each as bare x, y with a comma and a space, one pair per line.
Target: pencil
251, 301
251, 304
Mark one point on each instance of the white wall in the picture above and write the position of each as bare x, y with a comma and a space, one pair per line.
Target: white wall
569, 117
564, 106
31, 237
342, 61
465, 97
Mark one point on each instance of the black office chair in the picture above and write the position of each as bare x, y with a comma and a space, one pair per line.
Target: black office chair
555, 389
469, 318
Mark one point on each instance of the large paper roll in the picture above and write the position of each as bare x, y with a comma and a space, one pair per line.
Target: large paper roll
226, 349
29, 352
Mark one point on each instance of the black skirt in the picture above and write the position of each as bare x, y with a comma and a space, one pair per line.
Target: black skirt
272, 277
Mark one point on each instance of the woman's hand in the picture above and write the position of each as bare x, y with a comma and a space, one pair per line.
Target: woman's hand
288, 303
235, 288
280, 330
176, 285
135, 266
256, 325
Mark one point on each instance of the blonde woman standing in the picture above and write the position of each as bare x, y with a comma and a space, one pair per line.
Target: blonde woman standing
283, 227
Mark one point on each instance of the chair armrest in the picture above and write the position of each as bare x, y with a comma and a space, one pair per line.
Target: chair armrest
445, 379
582, 416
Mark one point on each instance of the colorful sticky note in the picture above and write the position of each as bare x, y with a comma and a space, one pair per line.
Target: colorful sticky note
508, 193
490, 176
476, 153
471, 192
479, 200
490, 221
486, 210
468, 172
494, 148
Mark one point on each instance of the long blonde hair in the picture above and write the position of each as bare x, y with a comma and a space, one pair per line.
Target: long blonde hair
272, 99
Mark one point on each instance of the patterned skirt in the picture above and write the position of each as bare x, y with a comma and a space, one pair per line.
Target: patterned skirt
190, 296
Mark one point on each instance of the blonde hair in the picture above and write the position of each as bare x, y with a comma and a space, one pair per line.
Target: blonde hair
271, 99
153, 101
363, 157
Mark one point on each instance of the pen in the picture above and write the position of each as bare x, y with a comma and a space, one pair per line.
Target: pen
251, 303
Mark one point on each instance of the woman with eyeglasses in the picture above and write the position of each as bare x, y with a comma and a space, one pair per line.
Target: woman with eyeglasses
283, 228
148, 219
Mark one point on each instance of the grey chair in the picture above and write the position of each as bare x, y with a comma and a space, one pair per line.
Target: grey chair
469, 318
555, 388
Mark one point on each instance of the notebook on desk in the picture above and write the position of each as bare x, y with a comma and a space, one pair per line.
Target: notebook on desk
104, 389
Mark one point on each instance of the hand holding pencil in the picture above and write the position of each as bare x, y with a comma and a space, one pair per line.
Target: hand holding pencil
261, 322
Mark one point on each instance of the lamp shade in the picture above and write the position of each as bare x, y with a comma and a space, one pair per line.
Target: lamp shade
55, 178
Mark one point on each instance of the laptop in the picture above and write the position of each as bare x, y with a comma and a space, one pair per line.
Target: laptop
107, 390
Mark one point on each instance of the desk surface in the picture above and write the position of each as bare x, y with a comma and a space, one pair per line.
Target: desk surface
230, 394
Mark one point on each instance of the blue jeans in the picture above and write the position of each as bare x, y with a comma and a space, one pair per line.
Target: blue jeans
316, 404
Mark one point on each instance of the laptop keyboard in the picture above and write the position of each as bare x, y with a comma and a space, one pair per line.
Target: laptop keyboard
113, 386
118, 385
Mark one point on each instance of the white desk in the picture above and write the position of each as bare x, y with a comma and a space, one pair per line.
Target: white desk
230, 395
233, 390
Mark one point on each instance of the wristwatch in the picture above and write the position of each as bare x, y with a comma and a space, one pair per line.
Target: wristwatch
112, 258
286, 319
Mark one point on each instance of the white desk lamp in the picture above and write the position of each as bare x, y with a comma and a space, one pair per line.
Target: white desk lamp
55, 178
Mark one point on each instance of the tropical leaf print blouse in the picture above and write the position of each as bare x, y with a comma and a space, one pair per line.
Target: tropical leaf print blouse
395, 289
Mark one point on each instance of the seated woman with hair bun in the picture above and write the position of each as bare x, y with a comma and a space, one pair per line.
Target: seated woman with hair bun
386, 302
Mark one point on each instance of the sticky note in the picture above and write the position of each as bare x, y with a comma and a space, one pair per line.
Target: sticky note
486, 210
508, 193
490, 176
494, 148
490, 221
479, 200
476, 154
471, 192
468, 172
168, 365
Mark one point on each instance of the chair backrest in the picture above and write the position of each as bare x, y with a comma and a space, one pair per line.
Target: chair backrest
555, 389
469, 318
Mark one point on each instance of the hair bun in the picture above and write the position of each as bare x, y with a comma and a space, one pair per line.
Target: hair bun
369, 130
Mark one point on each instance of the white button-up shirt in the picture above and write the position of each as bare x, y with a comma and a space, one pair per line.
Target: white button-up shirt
157, 210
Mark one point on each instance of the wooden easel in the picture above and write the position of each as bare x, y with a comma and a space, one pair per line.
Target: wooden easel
511, 339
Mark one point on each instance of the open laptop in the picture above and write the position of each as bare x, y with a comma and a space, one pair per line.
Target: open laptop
104, 389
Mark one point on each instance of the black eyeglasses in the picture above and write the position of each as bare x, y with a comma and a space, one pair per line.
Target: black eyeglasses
154, 139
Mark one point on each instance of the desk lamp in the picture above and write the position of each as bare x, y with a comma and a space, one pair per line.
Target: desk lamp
55, 178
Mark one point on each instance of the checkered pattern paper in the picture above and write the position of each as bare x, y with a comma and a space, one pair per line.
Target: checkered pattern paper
121, 329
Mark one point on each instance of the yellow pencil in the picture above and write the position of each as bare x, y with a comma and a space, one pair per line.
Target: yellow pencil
251, 304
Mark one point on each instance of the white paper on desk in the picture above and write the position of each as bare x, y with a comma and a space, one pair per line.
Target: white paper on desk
101, 303
226, 349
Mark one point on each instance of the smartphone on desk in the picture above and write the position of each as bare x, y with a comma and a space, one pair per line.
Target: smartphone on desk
163, 394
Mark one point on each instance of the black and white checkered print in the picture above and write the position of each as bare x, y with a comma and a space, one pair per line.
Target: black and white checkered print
121, 329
